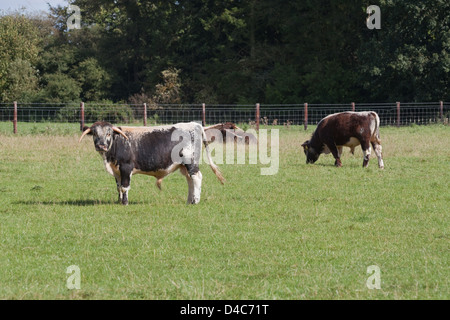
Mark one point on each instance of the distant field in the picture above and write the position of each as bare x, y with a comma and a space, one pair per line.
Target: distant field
308, 232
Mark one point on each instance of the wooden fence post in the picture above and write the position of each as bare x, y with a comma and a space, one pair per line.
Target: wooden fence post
441, 111
145, 114
353, 106
81, 116
398, 114
203, 114
305, 120
15, 118
257, 117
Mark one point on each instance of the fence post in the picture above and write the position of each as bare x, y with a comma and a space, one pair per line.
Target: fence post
353, 106
257, 117
145, 114
305, 120
441, 111
398, 114
15, 118
82, 116
203, 114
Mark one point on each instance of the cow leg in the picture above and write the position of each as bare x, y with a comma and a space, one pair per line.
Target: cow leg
352, 150
334, 151
339, 151
378, 151
196, 177
119, 189
125, 174
197, 180
366, 151
190, 182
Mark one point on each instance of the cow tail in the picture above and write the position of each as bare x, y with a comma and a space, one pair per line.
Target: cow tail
377, 128
214, 168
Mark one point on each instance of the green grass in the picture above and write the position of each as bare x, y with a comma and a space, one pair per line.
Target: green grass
308, 232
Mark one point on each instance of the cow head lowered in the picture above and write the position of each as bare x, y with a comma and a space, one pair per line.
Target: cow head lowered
103, 133
311, 154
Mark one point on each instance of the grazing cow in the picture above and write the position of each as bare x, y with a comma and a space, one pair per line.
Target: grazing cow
154, 151
348, 129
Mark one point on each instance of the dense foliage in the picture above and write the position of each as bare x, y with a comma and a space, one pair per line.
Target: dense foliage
228, 51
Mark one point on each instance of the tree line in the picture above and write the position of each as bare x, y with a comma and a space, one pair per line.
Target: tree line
228, 51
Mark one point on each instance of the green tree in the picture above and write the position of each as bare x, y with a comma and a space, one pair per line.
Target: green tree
21, 82
235, 51
94, 80
59, 88
408, 59
169, 91
19, 47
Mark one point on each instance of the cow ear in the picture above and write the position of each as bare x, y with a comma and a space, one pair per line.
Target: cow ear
119, 131
305, 145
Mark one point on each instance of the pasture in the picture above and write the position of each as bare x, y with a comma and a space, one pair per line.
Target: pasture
308, 232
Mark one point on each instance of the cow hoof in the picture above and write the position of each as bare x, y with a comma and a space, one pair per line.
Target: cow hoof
338, 163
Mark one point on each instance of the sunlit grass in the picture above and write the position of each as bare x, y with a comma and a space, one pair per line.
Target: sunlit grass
308, 232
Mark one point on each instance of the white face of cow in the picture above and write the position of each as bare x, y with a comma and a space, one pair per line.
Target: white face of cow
103, 137
103, 133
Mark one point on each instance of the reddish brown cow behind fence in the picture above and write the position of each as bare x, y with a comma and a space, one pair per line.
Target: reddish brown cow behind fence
233, 131
348, 129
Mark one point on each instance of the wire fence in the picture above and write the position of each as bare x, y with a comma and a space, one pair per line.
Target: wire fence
397, 114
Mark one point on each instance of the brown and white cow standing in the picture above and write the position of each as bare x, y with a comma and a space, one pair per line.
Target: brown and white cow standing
348, 129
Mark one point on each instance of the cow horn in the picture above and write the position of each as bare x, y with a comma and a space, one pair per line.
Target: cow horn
85, 132
120, 132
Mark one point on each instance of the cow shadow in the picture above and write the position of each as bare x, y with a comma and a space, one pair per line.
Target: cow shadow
75, 202
349, 164
329, 165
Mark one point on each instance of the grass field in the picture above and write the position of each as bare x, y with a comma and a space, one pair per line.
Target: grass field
308, 232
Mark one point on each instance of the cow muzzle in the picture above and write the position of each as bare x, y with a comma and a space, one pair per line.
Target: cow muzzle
101, 148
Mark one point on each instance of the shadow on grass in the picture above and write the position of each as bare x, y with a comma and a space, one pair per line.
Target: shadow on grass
80, 202
344, 164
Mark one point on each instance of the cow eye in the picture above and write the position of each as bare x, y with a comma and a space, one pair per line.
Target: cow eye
108, 135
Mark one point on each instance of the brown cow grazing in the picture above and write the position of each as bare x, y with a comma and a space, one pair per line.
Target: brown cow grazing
348, 129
